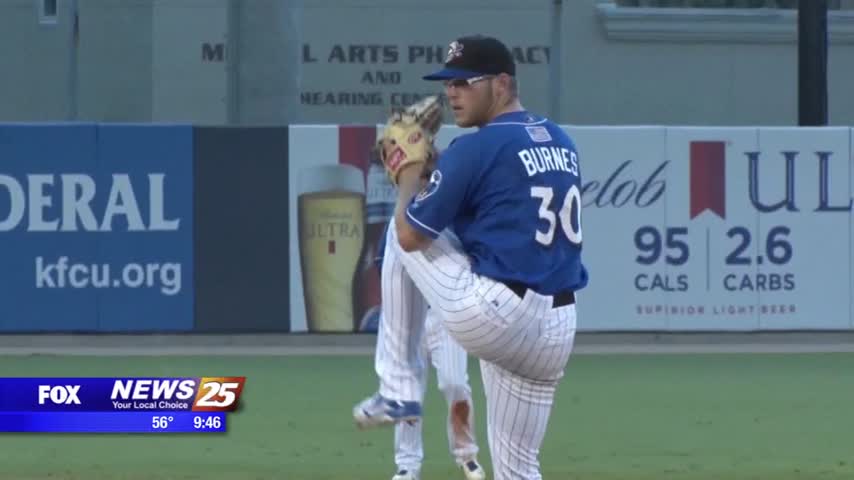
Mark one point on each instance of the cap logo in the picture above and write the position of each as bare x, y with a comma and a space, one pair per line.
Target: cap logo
455, 49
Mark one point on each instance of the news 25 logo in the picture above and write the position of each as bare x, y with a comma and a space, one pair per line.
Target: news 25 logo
205, 394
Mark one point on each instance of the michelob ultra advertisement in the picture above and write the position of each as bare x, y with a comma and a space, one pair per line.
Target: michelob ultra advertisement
331, 214
685, 229
341, 201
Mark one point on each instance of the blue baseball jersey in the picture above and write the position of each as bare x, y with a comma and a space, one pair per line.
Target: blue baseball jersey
511, 191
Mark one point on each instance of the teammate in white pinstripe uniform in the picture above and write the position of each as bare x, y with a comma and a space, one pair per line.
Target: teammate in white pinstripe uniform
451, 364
449, 360
506, 293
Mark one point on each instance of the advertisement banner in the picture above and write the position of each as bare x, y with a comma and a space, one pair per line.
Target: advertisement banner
623, 219
96, 228
241, 224
157, 163
709, 217
686, 228
340, 202
803, 191
34, 295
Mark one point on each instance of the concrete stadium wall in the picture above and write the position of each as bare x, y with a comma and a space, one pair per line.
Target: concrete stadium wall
282, 61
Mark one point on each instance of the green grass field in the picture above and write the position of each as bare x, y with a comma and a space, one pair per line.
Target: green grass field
694, 417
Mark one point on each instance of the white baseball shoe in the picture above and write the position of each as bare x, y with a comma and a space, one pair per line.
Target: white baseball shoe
405, 475
472, 470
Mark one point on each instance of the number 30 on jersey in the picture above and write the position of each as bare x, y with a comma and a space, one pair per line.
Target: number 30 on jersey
571, 209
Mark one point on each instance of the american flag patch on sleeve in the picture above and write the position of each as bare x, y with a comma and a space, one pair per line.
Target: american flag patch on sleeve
539, 134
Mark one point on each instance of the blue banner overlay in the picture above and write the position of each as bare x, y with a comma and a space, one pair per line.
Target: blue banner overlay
112, 422
120, 394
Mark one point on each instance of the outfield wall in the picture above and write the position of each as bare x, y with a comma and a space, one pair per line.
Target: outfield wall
178, 228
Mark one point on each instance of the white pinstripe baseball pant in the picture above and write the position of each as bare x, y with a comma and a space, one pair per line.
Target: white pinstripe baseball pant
437, 347
523, 345
450, 362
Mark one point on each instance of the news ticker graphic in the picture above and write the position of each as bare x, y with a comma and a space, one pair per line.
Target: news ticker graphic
112, 422
118, 404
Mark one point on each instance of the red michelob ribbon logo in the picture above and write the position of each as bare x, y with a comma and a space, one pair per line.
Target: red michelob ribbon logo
708, 178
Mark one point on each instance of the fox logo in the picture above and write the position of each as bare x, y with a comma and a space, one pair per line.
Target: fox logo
59, 394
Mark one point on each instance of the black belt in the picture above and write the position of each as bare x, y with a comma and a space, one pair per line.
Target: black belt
560, 299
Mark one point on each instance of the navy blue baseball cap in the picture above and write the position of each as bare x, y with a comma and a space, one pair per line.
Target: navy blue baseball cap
474, 56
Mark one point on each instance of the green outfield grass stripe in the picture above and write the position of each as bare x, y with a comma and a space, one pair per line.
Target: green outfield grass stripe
621, 417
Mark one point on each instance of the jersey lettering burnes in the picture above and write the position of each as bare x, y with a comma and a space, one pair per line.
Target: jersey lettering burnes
511, 192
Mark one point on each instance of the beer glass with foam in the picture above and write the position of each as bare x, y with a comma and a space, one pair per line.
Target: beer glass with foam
331, 212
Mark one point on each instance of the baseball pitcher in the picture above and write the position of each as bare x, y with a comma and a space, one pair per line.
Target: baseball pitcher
511, 191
